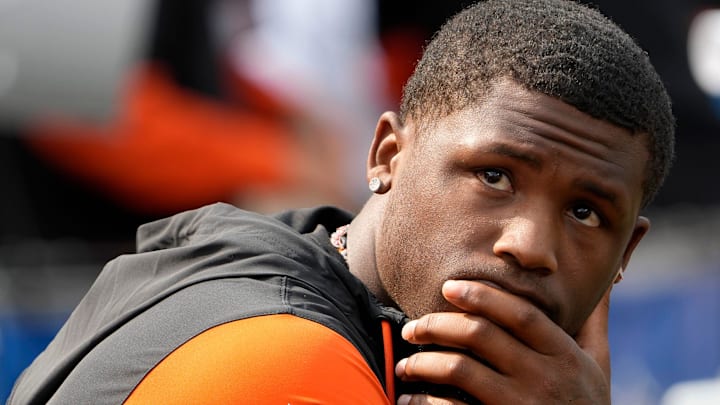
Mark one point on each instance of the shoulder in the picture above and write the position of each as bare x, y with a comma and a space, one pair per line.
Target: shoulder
224, 222
185, 227
266, 359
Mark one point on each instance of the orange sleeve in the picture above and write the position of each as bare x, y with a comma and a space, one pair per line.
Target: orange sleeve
273, 359
169, 149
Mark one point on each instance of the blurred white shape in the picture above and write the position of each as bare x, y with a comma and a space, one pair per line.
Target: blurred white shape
704, 51
8, 71
700, 392
323, 57
66, 57
633, 382
315, 51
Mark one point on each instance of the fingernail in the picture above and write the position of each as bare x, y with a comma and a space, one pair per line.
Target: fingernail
400, 368
403, 400
408, 331
453, 289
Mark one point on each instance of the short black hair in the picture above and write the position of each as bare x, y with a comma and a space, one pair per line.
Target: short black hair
559, 48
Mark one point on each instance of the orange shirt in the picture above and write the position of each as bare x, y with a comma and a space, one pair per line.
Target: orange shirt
273, 359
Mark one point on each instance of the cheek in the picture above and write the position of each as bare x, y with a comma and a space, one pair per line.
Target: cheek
415, 241
584, 289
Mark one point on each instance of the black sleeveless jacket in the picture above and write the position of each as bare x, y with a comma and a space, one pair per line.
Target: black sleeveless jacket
197, 270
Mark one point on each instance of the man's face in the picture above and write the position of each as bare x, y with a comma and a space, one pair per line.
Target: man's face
524, 192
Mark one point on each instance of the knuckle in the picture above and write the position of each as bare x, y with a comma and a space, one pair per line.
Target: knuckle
527, 316
568, 363
456, 368
411, 366
551, 389
426, 325
480, 329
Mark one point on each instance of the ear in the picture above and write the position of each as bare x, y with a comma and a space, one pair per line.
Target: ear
385, 151
642, 225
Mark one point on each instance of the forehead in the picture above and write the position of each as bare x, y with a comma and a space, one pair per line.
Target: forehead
546, 133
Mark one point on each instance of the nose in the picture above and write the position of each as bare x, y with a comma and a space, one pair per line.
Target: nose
531, 241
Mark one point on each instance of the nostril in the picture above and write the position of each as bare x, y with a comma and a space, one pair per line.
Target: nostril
525, 264
528, 250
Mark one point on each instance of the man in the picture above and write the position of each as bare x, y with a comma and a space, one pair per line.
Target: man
506, 201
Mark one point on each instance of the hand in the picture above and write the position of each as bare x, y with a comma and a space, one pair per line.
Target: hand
512, 352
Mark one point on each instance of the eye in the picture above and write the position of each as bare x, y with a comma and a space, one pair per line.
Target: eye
585, 215
496, 179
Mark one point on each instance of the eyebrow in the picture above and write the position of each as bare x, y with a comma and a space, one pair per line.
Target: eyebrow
536, 163
514, 153
598, 191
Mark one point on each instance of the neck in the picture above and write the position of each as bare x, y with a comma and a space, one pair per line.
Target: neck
361, 240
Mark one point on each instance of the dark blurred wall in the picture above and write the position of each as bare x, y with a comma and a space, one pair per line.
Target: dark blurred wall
661, 27
39, 202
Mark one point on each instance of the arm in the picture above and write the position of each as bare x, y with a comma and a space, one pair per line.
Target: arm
279, 359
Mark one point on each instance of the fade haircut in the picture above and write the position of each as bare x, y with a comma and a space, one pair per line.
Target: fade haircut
559, 48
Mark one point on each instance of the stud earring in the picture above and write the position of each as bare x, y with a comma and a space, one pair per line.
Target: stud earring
619, 276
375, 184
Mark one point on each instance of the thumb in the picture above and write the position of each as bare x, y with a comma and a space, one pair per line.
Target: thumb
593, 336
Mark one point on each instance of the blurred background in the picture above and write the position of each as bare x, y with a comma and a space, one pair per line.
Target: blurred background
120, 112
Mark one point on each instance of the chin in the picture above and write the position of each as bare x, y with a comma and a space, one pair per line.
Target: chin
435, 307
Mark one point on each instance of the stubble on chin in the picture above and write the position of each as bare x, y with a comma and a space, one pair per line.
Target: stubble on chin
424, 299
409, 281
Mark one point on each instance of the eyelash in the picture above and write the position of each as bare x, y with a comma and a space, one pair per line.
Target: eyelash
482, 175
584, 204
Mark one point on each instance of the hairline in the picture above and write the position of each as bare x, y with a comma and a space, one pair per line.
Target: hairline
425, 125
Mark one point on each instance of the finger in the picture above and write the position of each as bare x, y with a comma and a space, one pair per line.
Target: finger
593, 336
515, 314
420, 399
456, 369
488, 341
